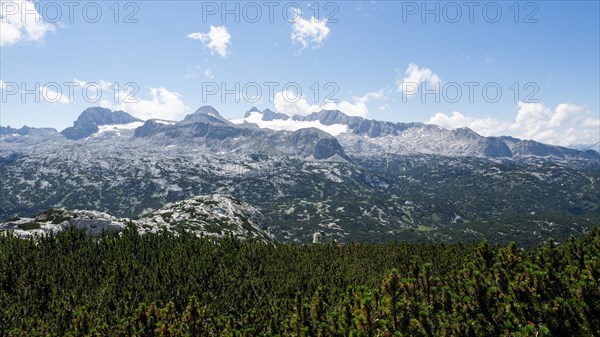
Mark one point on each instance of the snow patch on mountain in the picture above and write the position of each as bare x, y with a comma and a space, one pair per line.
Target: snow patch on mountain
163, 121
256, 117
117, 127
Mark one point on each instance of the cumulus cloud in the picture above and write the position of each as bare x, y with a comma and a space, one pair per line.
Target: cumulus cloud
485, 126
52, 96
566, 124
20, 21
309, 33
289, 103
414, 76
162, 104
218, 40
564, 113
359, 105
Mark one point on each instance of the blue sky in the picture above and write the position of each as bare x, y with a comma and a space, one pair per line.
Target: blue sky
174, 51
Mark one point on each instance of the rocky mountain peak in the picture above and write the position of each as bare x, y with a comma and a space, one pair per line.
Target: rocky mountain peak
88, 121
205, 114
270, 115
249, 112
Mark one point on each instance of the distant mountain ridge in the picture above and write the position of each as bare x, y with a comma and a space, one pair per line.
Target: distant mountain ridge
216, 136
367, 135
267, 114
207, 129
25, 130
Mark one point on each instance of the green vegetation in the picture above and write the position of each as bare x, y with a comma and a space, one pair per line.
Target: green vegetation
55, 216
127, 284
30, 225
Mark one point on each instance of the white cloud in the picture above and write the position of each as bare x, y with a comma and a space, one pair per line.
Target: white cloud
99, 86
566, 124
195, 72
372, 95
414, 77
79, 82
357, 108
486, 126
163, 104
218, 40
309, 33
51, 96
104, 85
20, 21
290, 104
564, 114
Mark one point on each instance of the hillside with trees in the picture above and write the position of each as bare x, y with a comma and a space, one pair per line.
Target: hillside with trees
177, 284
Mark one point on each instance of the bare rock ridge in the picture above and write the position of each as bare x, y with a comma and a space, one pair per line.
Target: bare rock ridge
372, 136
425, 138
206, 128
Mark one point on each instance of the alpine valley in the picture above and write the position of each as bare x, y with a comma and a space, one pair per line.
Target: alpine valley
315, 178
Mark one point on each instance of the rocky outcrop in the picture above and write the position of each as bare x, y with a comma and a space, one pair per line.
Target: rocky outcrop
205, 215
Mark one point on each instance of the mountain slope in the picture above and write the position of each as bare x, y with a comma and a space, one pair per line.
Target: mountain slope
372, 198
206, 129
208, 215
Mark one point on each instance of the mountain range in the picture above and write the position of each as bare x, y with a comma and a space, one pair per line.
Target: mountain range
323, 176
304, 136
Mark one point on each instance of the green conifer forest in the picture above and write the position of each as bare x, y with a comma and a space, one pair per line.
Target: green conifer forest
166, 284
